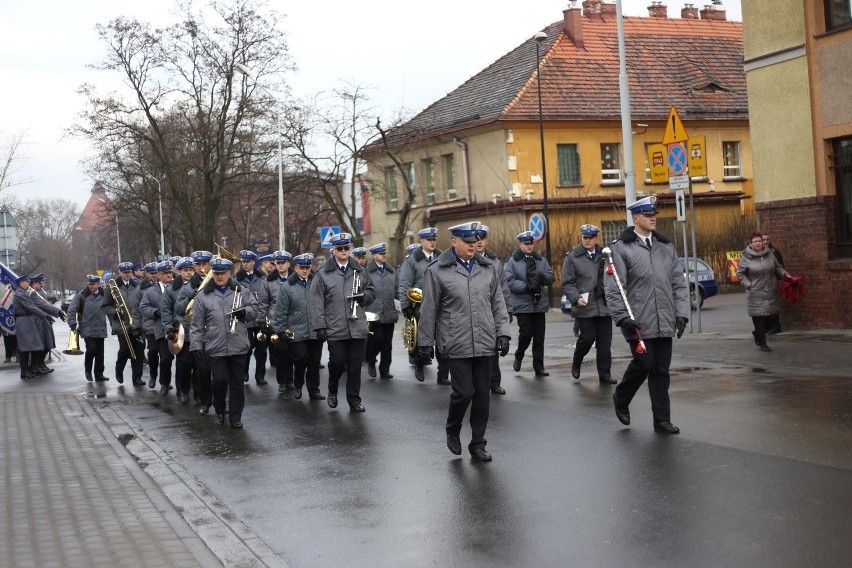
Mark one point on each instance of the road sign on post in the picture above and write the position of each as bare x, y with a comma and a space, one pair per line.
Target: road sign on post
538, 225
325, 235
675, 132
657, 162
697, 156
680, 205
677, 159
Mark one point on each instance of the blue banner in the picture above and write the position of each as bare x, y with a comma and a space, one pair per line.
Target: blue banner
7, 289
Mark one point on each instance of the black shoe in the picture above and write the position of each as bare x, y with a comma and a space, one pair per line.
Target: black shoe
541, 373
119, 377
315, 395
607, 380
245, 378
152, 382
575, 371
386, 376
282, 388
220, 419
102, 379
46, 369
205, 408
37, 371
238, 425
371, 369
765, 347
298, 394
454, 444
357, 407
164, 390
443, 381
480, 455
89, 377
756, 340
666, 428
138, 383
623, 414
332, 400
184, 398
261, 382
516, 365
28, 375
498, 390
418, 373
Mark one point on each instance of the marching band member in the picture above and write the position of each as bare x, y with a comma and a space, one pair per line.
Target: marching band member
89, 302
464, 316
267, 295
292, 314
37, 363
219, 334
28, 327
201, 380
152, 277
151, 309
252, 279
337, 314
383, 276
127, 284
482, 248
171, 322
360, 255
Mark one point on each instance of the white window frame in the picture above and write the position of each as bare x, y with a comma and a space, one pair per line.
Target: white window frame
619, 176
732, 171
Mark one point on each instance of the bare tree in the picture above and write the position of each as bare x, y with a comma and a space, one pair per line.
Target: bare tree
11, 160
184, 120
404, 209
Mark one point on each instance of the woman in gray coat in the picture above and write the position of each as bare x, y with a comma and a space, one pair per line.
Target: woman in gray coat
759, 272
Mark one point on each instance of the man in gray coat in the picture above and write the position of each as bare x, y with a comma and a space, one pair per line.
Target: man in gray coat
37, 361
464, 316
383, 276
151, 309
266, 298
252, 279
338, 294
646, 265
86, 313
28, 327
218, 334
527, 273
482, 248
583, 285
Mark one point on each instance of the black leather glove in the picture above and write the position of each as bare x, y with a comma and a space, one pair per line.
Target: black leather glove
360, 300
681, 325
63, 316
503, 345
73, 326
240, 314
408, 311
425, 353
322, 335
628, 325
170, 335
50, 319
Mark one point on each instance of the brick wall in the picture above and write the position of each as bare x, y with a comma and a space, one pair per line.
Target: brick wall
803, 230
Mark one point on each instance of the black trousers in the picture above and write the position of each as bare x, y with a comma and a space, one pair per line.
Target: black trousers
124, 356
654, 366
470, 383
259, 350
283, 361
10, 342
202, 382
24, 362
346, 355
381, 342
531, 329
94, 355
153, 355
762, 325
305, 357
162, 359
496, 374
597, 331
184, 369
227, 374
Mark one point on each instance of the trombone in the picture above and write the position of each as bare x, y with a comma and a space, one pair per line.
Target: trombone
122, 314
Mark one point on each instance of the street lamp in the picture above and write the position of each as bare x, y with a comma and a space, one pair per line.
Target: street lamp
117, 234
160, 194
243, 70
539, 38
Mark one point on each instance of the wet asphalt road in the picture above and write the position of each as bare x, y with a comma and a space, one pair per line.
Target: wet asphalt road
761, 474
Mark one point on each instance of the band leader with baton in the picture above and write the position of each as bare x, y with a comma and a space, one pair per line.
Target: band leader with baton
648, 299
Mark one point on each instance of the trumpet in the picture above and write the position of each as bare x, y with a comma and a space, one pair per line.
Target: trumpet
409, 332
356, 293
122, 314
235, 307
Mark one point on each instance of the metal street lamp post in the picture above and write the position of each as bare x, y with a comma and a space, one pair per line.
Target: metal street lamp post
242, 69
539, 38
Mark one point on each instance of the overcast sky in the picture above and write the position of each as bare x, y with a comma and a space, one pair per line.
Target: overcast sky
411, 53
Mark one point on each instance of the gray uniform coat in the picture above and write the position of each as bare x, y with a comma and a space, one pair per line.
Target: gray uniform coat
581, 274
168, 317
185, 294
292, 309
151, 308
759, 273
134, 303
411, 273
211, 323
504, 286
386, 289
29, 321
253, 285
653, 281
93, 321
523, 298
267, 294
330, 309
463, 313
109, 305
46, 325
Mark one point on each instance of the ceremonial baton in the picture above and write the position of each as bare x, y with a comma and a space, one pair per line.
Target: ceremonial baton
610, 269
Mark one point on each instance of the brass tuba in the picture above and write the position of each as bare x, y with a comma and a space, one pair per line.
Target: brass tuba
409, 332
122, 314
74, 340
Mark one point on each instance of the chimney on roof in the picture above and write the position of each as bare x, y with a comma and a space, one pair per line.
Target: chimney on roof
591, 7
689, 12
715, 11
573, 23
658, 10
608, 8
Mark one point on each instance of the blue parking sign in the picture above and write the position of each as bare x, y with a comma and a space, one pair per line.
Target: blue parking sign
537, 225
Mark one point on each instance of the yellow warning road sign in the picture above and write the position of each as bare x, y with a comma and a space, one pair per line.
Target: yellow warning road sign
675, 132
657, 163
696, 146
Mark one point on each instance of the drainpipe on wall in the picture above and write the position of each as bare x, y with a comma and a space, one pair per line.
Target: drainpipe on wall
463, 146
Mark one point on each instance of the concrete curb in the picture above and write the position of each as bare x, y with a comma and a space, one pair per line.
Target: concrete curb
229, 539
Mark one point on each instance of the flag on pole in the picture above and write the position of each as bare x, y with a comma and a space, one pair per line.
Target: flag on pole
7, 289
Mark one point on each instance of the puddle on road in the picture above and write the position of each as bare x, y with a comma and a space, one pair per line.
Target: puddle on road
688, 369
